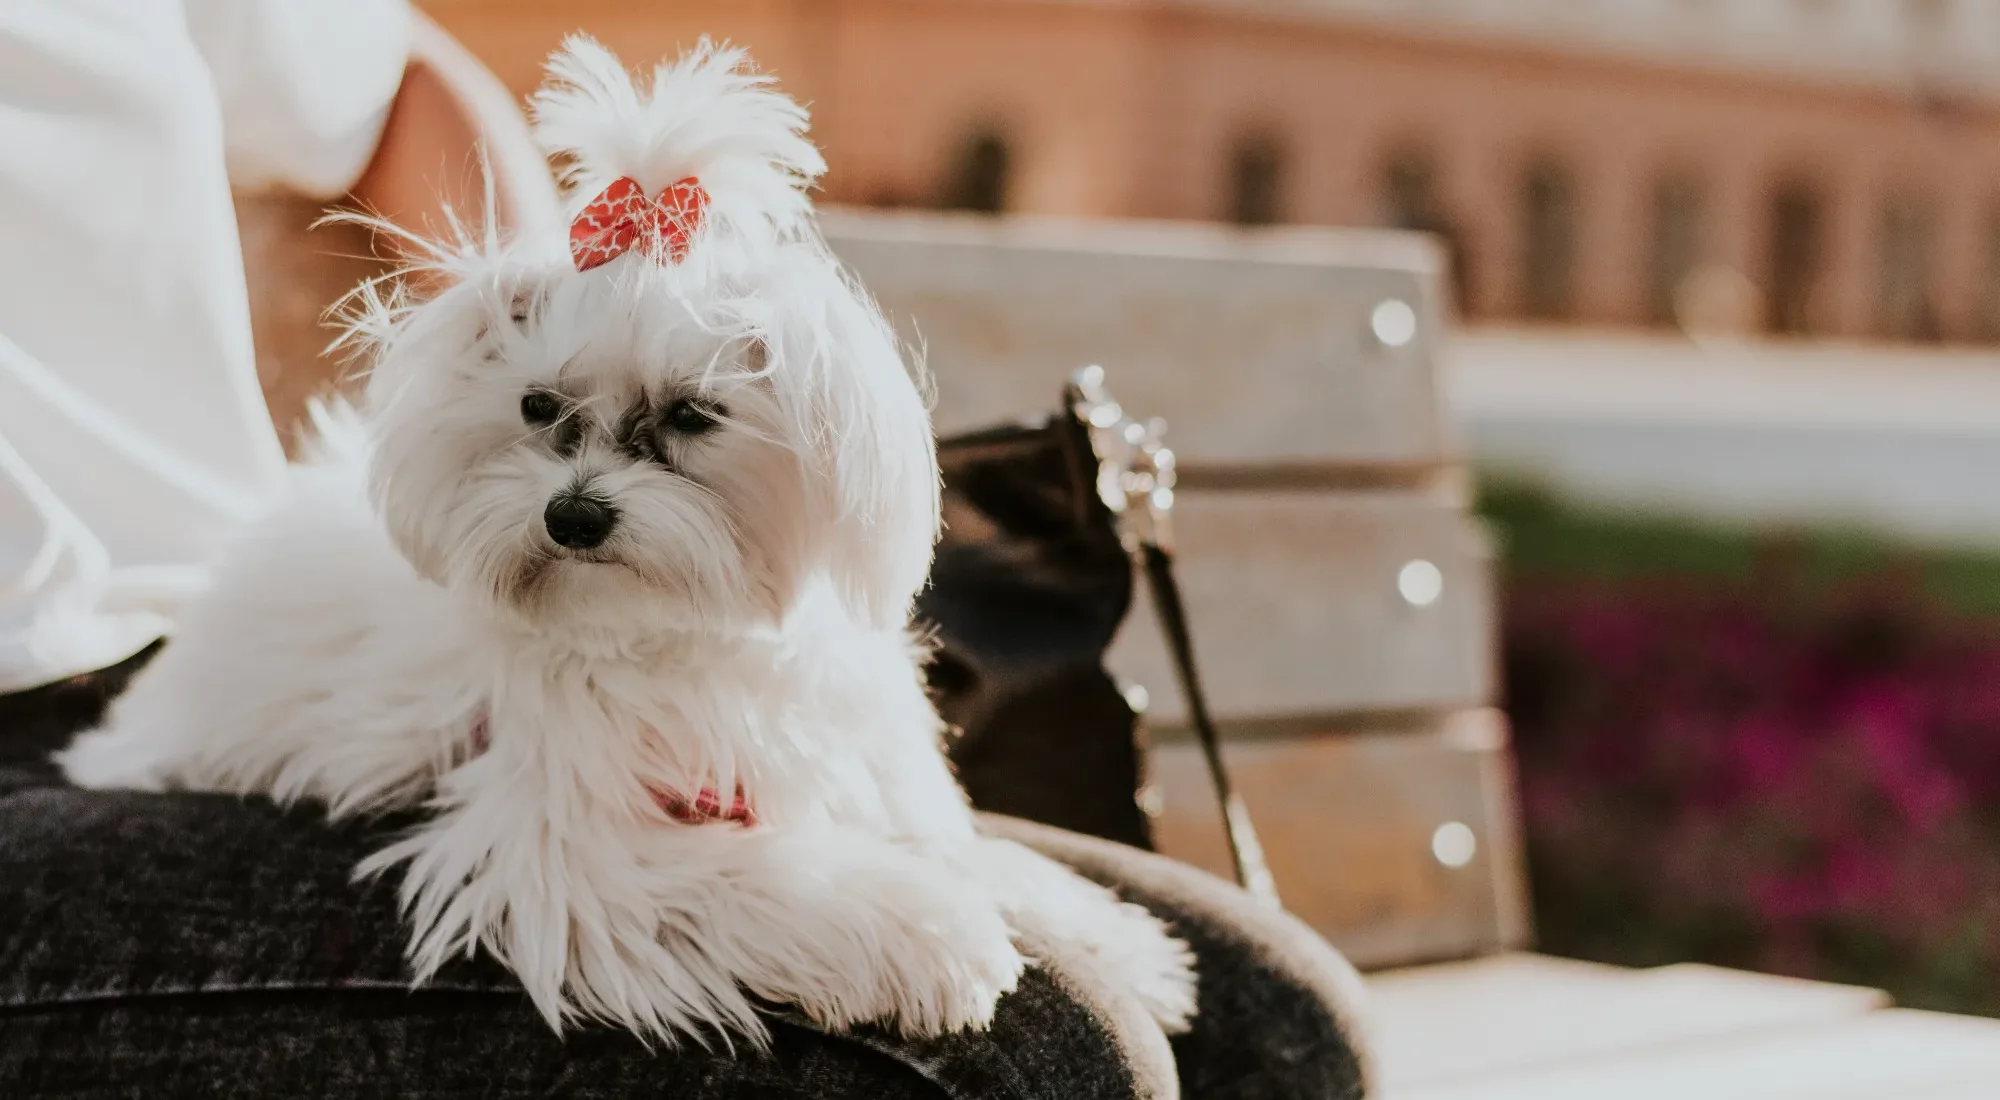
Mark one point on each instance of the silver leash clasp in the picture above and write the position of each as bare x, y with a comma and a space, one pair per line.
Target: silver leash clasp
1133, 462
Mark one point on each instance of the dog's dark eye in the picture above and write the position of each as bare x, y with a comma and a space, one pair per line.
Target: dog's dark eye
689, 418
540, 407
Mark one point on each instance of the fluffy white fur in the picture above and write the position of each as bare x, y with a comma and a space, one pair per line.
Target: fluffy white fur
743, 623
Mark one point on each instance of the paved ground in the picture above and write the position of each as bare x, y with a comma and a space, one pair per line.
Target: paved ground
1899, 440
1527, 1026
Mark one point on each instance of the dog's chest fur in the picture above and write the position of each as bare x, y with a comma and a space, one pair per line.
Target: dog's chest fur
774, 714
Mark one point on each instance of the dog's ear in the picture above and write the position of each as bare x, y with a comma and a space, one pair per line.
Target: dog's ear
867, 429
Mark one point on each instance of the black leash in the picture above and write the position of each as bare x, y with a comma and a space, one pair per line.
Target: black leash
1135, 476
1252, 873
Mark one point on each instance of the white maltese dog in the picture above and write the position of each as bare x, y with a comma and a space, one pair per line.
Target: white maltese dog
613, 573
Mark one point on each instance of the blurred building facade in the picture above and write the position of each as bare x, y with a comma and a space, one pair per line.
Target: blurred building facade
1804, 167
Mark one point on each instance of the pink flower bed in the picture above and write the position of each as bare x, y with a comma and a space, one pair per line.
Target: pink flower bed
1753, 775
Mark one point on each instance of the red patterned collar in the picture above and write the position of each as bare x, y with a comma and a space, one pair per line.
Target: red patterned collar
705, 808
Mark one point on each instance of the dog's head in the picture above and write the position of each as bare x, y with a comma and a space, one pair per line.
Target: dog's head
680, 417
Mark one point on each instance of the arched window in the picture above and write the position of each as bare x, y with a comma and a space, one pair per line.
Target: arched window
1987, 324
1676, 244
1796, 256
1256, 181
980, 177
1412, 198
1927, 18
1905, 307
1410, 190
1549, 216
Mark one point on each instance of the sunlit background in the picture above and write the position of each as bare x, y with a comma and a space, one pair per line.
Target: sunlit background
1797, 167
1724, 279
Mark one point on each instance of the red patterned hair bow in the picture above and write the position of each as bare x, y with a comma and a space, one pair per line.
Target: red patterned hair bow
622, 218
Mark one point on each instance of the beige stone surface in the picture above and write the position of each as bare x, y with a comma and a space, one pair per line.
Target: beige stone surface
1889, 1055
1529, 1027
1483, 1019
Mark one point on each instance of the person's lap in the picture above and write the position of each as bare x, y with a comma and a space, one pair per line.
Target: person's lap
205, 945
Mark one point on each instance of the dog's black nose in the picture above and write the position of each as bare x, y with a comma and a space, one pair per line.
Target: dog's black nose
579, 522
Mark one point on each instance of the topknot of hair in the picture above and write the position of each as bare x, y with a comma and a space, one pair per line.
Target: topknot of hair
709, 115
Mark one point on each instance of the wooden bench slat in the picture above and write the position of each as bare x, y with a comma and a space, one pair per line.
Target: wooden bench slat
1258, 348
1297, 607
1349, 826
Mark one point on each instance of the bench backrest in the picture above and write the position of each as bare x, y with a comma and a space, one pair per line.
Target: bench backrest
1341, 597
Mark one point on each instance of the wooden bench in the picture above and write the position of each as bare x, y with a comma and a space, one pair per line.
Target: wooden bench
1343, 609
1341, 599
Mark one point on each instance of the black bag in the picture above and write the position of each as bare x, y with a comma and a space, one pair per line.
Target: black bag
1045, 523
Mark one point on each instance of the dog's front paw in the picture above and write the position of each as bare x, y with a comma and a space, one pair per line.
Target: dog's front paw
1145, 958
959, 966
1089, 928
938, 961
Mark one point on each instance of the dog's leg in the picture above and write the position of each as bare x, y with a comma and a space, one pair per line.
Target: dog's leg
317, 667
849, 928
671, 929
1124, 945
355, 742
121, 757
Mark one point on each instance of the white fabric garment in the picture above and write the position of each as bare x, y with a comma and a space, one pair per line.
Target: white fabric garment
133, 434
